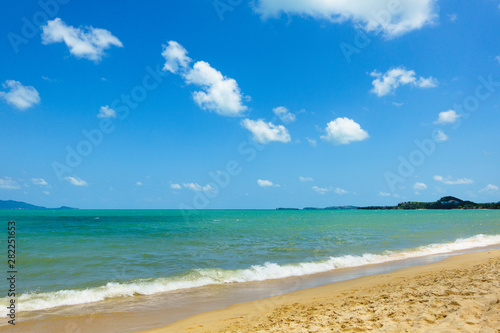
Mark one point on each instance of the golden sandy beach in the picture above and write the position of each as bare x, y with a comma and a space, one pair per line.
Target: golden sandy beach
460, 294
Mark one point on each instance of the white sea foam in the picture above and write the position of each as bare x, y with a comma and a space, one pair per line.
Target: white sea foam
203, 277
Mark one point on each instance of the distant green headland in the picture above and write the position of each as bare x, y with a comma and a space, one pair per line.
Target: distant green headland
11, 204
447, 202
443, 203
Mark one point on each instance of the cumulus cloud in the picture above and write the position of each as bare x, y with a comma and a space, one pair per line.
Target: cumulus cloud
175, 186
343, 131
450, 181
430, 82
441, 136
447, 117
19, 96
77, 181
419, 186
8, 183
385, 16
490, 188
384, 194
198, 188
265, 133
175, 56
338, 190
285, 115
386, 83
219, 93
87, 42
106, 112
322, 190
39, 181
498, 59
305, 179
138, 183
266, 183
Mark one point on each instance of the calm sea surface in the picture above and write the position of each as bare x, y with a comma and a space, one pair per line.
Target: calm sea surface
85, 256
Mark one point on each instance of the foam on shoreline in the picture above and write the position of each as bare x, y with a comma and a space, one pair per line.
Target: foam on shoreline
203, 277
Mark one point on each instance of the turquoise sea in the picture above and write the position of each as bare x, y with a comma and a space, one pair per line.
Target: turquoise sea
87, 256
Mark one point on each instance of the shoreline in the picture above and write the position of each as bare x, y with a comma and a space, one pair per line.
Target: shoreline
158, 313
461, 293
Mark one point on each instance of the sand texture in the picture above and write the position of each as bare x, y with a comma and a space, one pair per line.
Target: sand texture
460, 294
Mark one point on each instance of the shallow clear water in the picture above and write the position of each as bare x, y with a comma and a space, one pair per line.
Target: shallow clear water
83, 256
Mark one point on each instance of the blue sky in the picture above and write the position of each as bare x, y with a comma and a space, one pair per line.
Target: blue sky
228, 104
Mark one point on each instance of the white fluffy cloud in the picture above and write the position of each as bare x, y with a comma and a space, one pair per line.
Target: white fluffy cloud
449, 181
392, 18
441, 136
305, 179
388, 82
19, 96
77, 181
498, 59
175, 186
343, 131
338, 190
324, 190
285, 115
430, 82
490, 188
265, 133
220, 94
8, 183
385, 194
175, 57
266, 183
447, 117
39, 181
419, 186
106, 112
198, 188
88, 42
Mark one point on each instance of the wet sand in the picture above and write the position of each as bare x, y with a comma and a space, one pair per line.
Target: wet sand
460, 294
